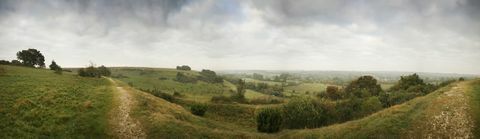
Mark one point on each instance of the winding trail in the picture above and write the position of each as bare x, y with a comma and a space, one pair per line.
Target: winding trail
124, 126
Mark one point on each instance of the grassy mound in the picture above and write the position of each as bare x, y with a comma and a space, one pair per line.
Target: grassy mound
37, 103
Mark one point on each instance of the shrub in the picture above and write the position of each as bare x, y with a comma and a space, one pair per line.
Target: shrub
303, 112
364, 86
184, 67
371, 105
198, 109
160, 94
4, 62
269, 120
177, 94
184, 78
221, 99
92, 71
459, 79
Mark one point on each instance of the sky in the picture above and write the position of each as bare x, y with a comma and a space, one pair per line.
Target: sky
354, 35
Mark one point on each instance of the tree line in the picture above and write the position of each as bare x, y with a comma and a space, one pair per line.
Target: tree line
35, 59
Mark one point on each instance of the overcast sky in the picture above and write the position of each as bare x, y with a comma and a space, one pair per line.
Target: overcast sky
365, 35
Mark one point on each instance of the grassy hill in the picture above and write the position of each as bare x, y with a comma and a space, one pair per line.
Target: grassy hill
441, 114
37, 103
164, 79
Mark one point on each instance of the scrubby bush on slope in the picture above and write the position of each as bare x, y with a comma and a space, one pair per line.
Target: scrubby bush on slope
269, 120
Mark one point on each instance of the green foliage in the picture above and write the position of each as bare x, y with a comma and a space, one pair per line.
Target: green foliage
406, 82
333, 93
210, 77
365, 86
16, 63
239, 96
161, 94
408, 87
269, 120
104, 71
4, 62
92, 71
31, 58
184, 67
198, 109
181, 77
55, 67
303, 112
371, 105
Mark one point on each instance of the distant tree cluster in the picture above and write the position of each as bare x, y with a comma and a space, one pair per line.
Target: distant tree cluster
210, 76
184, 67
92, 71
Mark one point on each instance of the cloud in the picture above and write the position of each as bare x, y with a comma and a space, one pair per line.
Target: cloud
400, 35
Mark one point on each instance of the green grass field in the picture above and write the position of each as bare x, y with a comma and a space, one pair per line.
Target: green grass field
475, 106
37, 103
164, 79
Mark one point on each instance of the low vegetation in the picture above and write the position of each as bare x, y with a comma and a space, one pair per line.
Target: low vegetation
269, 120
36, 103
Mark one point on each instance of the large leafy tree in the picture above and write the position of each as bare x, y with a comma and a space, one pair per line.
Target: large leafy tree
364, 86
31, 58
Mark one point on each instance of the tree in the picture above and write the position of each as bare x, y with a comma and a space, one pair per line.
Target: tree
364, 86
371, 105
54, 66
16, 62
333, 93
406, 82
240, 94
4, 62
104, 71
210, 76
269, 120
31, 58
184, 67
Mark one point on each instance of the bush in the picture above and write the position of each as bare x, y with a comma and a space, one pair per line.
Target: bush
4, 62
269, 120
92, 71
303, 113
161, 94
221, 99
198, 109
184, 78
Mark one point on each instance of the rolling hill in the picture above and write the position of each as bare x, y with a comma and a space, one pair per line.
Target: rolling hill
39, 103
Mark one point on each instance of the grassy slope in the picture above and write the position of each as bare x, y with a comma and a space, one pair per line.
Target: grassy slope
400, 121
164, 79
162, 119
475, 106
39, 103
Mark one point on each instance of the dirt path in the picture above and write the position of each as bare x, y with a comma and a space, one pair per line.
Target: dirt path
124, 126
449, 117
